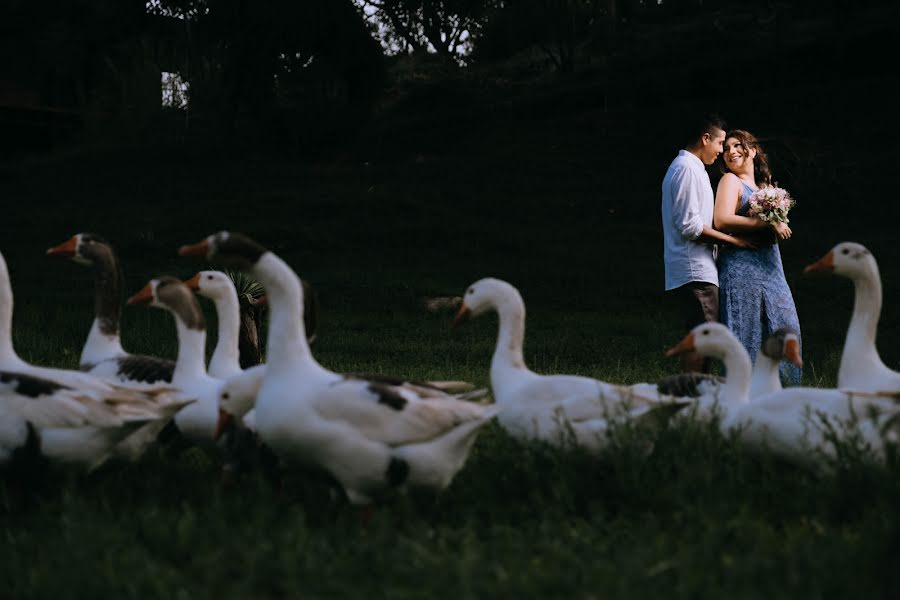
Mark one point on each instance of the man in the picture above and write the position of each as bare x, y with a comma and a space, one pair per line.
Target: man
692, 281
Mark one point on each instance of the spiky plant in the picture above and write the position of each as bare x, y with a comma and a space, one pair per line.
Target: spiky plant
249, 292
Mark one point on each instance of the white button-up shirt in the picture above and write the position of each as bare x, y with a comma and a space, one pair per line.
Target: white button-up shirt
687, 206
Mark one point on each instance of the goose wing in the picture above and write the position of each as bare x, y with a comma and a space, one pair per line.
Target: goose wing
392, 414
47, 403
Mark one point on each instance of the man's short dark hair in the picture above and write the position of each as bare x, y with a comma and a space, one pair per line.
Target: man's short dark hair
707, 122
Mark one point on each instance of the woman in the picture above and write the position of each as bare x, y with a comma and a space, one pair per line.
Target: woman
754, 297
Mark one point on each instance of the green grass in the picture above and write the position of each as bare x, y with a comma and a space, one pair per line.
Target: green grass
547, 209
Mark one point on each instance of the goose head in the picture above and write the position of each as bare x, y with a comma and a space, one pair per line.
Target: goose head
173, 295
485, 295
230, 250
707, 339
783, 344
236, 399
848, 259
83, 248
211, 284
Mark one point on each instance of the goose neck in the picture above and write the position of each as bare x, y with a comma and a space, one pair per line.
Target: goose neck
107, 294
226, 354
736, 389
191, 360
7, 352
286, 344
863, 328
511, 336
765, 376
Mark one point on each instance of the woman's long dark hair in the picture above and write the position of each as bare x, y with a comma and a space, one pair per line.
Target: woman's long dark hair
761, 171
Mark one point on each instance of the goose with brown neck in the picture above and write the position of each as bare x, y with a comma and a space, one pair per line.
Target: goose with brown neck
196, 422
98, 416
795, 423
553, 408
102, 353
861, 367
370, 436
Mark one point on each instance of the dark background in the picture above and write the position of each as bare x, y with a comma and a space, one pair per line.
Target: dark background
536, 157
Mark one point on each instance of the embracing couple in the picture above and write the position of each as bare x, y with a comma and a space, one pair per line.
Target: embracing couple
722, 263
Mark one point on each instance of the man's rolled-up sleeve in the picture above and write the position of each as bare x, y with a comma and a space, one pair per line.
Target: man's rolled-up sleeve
685, 207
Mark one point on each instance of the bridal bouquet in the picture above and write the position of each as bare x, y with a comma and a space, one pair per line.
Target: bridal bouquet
771, 204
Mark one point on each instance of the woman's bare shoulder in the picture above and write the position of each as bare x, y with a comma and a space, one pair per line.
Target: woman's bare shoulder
729, 181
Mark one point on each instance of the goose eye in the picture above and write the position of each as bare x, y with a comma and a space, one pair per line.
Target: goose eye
225, 396
706, 332
210, 277
470, 292
845, 251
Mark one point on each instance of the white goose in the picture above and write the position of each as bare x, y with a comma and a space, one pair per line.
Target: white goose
242, 385
42, 418
198, 421
558, 409
102, 353
861, 367
782, 344
57, 389
794, 422
369, 435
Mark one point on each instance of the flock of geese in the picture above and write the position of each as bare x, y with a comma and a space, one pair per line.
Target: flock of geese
370, 433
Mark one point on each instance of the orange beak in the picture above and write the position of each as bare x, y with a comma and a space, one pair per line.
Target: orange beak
66, 249
143, 297
823, 265
792, 352
199, 250
225, 421
685, 345
193, 282
462, 316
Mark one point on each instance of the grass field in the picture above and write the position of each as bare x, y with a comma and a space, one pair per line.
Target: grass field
565, 215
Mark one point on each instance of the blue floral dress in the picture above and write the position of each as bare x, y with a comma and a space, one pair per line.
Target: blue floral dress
754, 297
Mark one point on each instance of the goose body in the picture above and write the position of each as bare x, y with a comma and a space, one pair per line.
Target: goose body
557, 409
793, 422
370, 436
68, 426
861, 367
102, 354
50, 401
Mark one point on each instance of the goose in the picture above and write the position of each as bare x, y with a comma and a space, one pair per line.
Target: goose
154, 405
43, 419
243, 384
558, 409
861, 367
765, 377
197, 422
369, 435
102, 353
796, 423
781, 344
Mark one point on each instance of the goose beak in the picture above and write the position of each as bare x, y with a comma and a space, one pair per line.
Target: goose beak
462, 316
685, 345
66, 249
225, 421
143, 297
193, 282
792, 352
823, 265
198, 250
